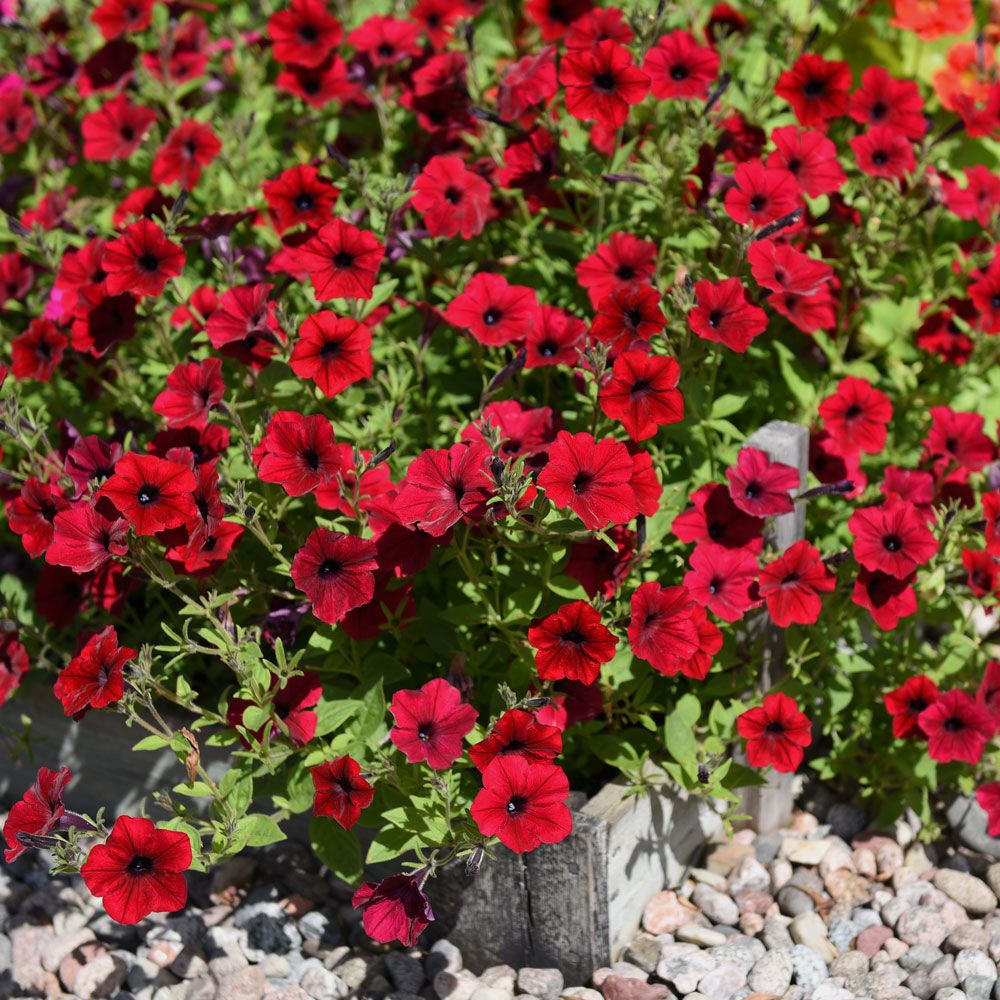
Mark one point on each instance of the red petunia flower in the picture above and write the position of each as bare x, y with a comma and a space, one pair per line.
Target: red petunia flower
431, 724
187, 149
141, 260
957, 728
139, 870
523, 803
597, 25
193, 388
979, 199
888, 598
116, 17
601, 83
810, 156
988, 692
776, 733
906, 703
115, 130
988, 797
318, 86
297, 452
13, 665
572, 643
816, 311
84, 538
341, 260
519, 733
643, 394
856, 416
883, 100
555, 17
300, 197
494, 312
304, 33
816, 88
662, 629
36, 353
761, 194
709, 643
627, 314
884, 152
341, 792
958, 437
591, 478
721, 579
893, 538
982, 570
555, 338
93, 679
522, 431
153, 494
386, 41
528, 82
444, 485
17, 117
37, 812
294, 704
31, 514
396, 908
334, 351
623, 261
678, 67
723, 315
715, 518
336, 572
453, 200
759, 486
597, 567
791, 585
946, 331
438, 18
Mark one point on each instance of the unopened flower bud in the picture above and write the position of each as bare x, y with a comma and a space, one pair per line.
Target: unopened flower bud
475, 862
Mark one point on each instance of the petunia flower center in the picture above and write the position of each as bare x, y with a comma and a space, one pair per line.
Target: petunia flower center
814, 88
147, 494
344, 259
140, 865
425, 732
307, 34
492, 316
604, 82
330, 349
574, 636
304, 201
452, 195
148, 262
516, 805
679, 72
329, 567
916, 706
892, 543
774, 728
954, 725
581, 482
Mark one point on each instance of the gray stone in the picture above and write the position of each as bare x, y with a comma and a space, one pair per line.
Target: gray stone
851, 963
949, 993
749, 874
968, 935
922, 926
717, 906
968, 891
830, 991
580, 993
775, 935
993, 877
704, 937
443, 957
102, 977
722, 982
919, 956
405, 971
846, 820
797, 896
969, 821
772, 973
926, 981
546, 984
766, 846
977, 987
644, 951
740, 951
842, 933
500, 977
809, 968
969, 962
322, 984
684, 968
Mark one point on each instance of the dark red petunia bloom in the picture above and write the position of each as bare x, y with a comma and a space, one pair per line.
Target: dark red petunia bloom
776, 733
141, 260
84, 538
297, 452
957, 728
958, 437
188, 148
721, 579
139, 870
93, 679
37, 812
883, 100
17, 116
16, 277
300, 197
715, 518
906, 703
601, 83
493, 311
982, 572
244, 325
112, 321
385, 41
988, 797
523, 803
341, 792
662, 630
792, 584
36, 353
453, 200
810, 156
91, 460
623, 261
760, 486
334, 351
13, 665
678, 67
318, 86
341, 261
627, 314
723, 315
988, 692
555, 338
884, 152
438, 18
115, 130
431, 724
556, 17
528, 82
396, 908
946, 331
152, 493
443, 486
336, 572
781, 268
597, 567
979, 199
517, 732
816, 88
888, 598
809, 313
304, 33
521, 431
761, 195
193, 388
572, 643
893, 538
32, 513
294, 705
80, 279
597, 25
709, 643
856, 416
642, 393
116, 17
985, 295
592, 478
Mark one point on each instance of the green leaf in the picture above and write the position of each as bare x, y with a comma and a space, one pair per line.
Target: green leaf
260, 830
151, 742
331, 715
391, 843
337, 848
727, 404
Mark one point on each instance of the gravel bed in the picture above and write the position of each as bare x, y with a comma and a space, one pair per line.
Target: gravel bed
813, 912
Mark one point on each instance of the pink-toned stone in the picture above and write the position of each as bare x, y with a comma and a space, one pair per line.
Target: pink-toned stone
71, 965
620, 988
297, 906
864, 862
725, 857
871, 939
751, 924
888, 854
753, 901
847, 887
667, 911
922, 925
744, 837
803, 822
895, 948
